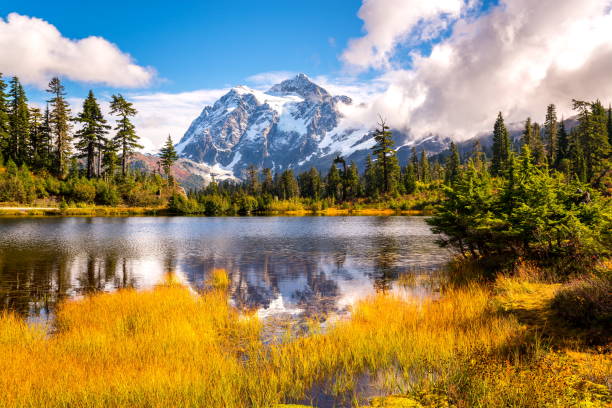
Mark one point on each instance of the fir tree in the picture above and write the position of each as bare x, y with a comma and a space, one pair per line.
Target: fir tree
126, 138
371, 178
287, 185
252, 177
425, 175
4, 119
410, 179
610, 125
91, 136
593, 135
501, 146
383, 150
168, 156
36, 135
537, 145
414, 159
334, 184
267, 185
352, 183
59, 123
551, 132
453, 164
527, 137
562, 144
19, 123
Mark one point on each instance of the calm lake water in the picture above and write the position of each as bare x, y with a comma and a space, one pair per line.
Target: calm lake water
278, 265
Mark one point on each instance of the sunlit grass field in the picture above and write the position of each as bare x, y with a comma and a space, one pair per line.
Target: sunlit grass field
172, 347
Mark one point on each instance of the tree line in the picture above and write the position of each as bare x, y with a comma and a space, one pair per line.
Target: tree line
81, 158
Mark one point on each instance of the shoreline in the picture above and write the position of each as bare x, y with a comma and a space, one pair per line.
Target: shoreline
100, 211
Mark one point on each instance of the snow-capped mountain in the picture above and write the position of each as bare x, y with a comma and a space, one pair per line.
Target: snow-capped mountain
295, 124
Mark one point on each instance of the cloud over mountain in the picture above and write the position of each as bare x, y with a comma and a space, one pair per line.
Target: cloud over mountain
516, 58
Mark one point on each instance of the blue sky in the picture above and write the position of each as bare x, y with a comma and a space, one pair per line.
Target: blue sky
209, 44
421, 64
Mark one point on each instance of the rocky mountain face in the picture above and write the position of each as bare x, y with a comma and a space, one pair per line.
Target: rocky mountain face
295, 124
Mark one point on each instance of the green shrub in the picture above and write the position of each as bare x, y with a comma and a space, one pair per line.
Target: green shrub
179, 204
83, 191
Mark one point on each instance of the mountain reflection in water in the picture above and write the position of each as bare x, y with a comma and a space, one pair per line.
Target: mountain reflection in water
277, 265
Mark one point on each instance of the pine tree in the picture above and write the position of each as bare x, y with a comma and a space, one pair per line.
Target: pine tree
425, 175
109, 159
91, 137
414, 159
501, 147
168, 156
537, 145
4, 119
551, 132
267, 185
352, 183
610, 125
527, 137
371, 178
252, 178
593, 136
46, 141
19, 123
126, 138
383, 149
453, 165
562, 144
287, 185
60, 126
410, 179
334, 184
36, 135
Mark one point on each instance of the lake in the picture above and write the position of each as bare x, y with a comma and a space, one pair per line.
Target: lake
291, 266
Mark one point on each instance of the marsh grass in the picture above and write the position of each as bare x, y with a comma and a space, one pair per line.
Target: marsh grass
171, 347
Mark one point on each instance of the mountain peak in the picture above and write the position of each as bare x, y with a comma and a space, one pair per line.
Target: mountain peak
300, 85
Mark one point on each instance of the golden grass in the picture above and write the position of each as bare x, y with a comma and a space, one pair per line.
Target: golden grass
171, 347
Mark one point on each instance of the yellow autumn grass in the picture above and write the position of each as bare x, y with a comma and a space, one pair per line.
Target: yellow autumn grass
171, 347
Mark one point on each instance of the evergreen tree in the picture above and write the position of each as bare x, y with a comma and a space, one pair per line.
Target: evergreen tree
4, 119
334, 184
352, 183
36, 135
453, 165
610, 125
109, 159
383, 149
593, 135
252, 179
46, 141
562, 144
287, 185
410, 179
501, 147
126, 138
267, 185
19, 123
527, 137
91, 137
168, 156
371, 178
537, 145
59, 123
414, 159
425, 175
551, 132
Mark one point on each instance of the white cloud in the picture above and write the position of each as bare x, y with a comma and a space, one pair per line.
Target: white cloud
388, 23
35, 51
518, 58
265, 80
160, 114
